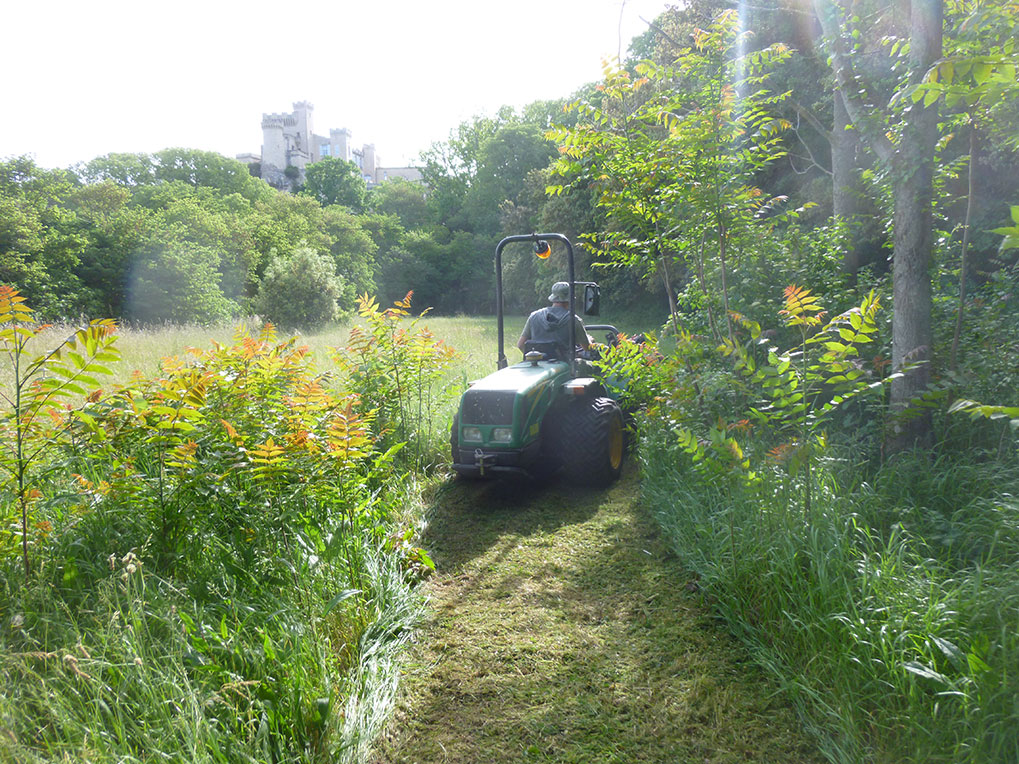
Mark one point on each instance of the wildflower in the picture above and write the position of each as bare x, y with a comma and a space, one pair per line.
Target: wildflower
131, 563
17, 621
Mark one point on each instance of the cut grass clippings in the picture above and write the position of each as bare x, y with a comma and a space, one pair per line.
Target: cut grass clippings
561, 630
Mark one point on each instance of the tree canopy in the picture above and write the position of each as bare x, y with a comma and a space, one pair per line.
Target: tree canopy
332, 180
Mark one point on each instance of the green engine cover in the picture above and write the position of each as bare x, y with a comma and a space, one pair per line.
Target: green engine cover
515, 399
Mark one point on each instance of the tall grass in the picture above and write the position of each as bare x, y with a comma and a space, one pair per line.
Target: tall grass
888, 611
144, 671
219, 571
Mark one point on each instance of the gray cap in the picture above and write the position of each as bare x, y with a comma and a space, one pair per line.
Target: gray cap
560, 292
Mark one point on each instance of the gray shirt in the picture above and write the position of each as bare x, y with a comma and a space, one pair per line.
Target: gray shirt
552, 324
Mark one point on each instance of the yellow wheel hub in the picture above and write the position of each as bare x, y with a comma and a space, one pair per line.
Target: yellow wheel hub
615, 443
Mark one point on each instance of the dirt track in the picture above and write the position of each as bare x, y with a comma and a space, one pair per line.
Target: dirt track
563, 631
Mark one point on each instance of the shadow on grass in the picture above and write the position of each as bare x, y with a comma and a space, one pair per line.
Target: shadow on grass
470, 516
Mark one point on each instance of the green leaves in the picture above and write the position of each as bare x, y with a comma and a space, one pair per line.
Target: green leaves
30, 425
968, 82
803, 385
672, 154
1011, 233
980, 410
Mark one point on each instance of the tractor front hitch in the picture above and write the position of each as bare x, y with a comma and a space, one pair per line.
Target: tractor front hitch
482, 460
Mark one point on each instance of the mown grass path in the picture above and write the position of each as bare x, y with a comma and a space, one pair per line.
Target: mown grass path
563, 631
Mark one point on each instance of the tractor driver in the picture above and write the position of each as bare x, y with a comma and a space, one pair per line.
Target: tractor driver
552, 324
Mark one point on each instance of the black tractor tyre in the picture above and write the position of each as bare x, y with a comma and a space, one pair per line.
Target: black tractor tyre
593, 439
454, 439
550, 459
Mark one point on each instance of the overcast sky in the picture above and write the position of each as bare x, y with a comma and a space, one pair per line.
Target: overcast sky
85, 78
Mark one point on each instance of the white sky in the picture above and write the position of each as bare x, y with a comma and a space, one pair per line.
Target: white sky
80, 78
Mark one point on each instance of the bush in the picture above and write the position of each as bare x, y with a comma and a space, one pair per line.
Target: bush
180, 284
300, 292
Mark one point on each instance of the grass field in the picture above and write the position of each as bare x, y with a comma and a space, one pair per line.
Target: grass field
475, 337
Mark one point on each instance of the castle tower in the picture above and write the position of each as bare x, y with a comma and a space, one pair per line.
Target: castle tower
274, 149
274, 145
369, 162
340, 140
301, 150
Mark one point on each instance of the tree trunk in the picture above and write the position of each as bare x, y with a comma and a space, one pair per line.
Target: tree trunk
911, 162
911, 279
846, 183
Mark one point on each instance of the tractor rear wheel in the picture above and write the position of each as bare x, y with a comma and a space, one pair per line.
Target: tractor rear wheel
593, 441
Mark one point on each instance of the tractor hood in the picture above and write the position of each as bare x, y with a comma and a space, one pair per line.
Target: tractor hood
521, 377
515, 394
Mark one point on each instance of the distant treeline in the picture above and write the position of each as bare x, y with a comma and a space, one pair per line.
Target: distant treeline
184, 235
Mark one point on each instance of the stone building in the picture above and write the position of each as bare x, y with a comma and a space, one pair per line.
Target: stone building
289, 145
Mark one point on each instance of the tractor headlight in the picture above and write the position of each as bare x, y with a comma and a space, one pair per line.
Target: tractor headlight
502, 435
472, 434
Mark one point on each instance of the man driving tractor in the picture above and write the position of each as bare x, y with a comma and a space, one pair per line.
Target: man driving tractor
552, 324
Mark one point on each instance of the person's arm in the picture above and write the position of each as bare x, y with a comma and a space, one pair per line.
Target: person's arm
524, 335
583, 338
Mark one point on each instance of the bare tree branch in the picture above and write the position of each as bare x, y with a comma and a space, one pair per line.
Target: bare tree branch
868, 122
815, 123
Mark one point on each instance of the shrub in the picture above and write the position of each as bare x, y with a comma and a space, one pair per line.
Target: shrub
180, 284
300, 291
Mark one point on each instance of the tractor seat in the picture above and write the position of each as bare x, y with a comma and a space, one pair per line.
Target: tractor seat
551, 350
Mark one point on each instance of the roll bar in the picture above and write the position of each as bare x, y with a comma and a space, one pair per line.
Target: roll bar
534, 238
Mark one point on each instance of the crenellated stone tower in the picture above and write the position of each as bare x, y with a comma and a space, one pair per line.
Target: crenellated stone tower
289, 145
287, 141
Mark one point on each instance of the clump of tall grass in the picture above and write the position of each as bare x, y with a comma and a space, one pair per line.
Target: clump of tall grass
888, 612
141, 668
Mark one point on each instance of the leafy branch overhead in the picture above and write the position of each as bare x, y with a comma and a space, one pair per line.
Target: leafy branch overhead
673, 156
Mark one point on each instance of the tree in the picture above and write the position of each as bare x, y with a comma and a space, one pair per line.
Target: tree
504, 160
909, 159
123, 169
332, 180
116, 231
207, 169
673, 156
41, 242
407, 200
300, 291
353, 252
977, 80
194, 168
178, 282
451, 166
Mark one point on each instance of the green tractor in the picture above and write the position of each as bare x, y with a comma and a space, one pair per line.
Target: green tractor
547, 413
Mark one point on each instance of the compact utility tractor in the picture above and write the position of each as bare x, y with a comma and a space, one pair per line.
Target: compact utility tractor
547, 413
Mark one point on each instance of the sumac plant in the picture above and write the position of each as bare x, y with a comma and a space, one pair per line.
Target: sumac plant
636, 371
802, 386
37, 413
247, 444
396, 367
